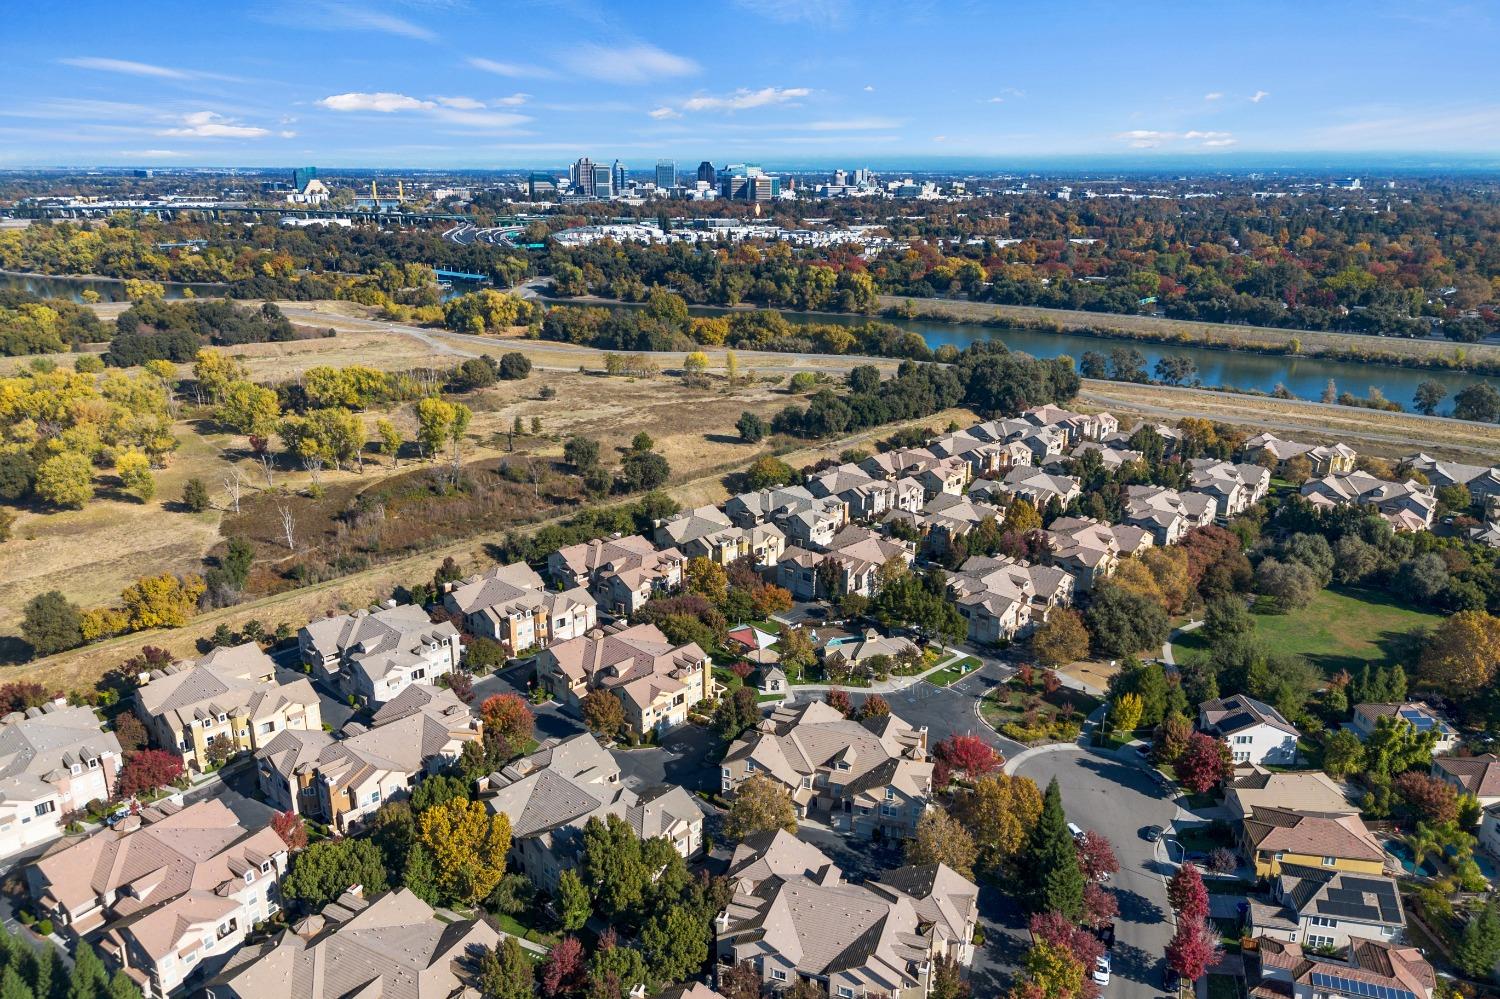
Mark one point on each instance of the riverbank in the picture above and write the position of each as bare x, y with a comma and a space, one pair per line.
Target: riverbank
1481, 358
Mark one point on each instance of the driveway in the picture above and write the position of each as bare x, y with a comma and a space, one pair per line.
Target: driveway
688, 757
1119, 798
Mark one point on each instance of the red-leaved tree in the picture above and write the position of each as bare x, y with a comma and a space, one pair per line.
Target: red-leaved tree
1060, 931
1201, 764
839, 701
509, 717
1099, 904
292, 830
462, 685
148, 770
969, 755
742, 669
1192, 949
1096, 856
1187, 894
874, 706
1430, 800
562, 972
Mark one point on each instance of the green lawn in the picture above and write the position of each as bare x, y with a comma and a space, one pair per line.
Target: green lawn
1342, 628
953, 671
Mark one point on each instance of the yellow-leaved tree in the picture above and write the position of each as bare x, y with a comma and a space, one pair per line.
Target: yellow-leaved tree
164, 601
468, 847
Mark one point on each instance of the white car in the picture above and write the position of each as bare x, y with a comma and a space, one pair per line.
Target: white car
1101, 970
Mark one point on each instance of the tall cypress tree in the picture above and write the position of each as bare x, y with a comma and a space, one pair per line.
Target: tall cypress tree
1054, 877
1479, 947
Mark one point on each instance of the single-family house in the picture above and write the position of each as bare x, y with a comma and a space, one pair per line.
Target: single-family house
1325, 908
1254, 787
1422, 716
1282, 969
1275, 836
1476, 775
1255, 732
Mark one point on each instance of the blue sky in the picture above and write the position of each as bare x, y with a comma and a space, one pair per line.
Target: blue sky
494, 83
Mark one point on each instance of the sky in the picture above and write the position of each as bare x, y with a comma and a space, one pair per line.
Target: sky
517, 83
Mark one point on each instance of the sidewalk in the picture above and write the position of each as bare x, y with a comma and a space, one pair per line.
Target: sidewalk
1166, 647
892, 685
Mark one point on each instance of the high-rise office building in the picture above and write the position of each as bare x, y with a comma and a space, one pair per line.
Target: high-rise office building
707, 173
585, 174
666, 175
618, 173
301, 175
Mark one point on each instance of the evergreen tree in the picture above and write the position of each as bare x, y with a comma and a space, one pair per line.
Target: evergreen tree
506, 972
12, 986
1479, 947
573, 903
420, 874
90, 980
121, 987
1055, 879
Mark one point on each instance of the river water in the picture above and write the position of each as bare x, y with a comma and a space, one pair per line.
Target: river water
1304, 377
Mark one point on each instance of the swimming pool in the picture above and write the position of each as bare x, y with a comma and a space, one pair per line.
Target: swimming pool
1403, 853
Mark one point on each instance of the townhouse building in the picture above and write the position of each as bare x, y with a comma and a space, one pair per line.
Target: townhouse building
1035, 486
54, 760
865, 778
657, 682
1234, 487
550, 795
851, 564
1005, 598
374, 655
511, 605
229, 696
1273, 452
391, 946
1406, 506
1090, 551
165, 895
1166, 513
1482, 481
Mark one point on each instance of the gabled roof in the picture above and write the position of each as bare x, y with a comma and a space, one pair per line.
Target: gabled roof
41, 745
1228, 715
1312, 834
1477, 775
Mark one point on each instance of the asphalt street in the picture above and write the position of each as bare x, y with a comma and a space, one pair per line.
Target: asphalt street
1118, 798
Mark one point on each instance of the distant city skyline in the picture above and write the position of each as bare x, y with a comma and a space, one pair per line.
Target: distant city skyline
537, 84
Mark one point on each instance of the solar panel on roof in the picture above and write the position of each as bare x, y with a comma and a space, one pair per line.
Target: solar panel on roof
1419, 720
1353, 987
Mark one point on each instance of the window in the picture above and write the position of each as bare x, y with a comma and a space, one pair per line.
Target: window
75, 769
94, 763
890, 794
223, 717
1328, 861
249, 877
845, 992
265, 867
46, 807
207, 722
777, 975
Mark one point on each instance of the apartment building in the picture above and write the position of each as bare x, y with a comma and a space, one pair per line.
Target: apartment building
374, 655
656, 681
865, 778
391, 946
230, 695
622, 573
54, 760
165, 895
511, 605
550, 796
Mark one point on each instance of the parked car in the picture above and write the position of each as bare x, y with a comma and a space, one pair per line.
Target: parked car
1076, 830
1106, 935
1144, 750
1101, 969
1151, 833
1171, 981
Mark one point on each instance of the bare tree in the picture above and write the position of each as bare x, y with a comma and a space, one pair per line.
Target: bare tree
269, 467
535, 472
288, 525
314, 465
232, 484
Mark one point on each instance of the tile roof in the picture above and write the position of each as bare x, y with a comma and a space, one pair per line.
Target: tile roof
1312, 834
1478, 775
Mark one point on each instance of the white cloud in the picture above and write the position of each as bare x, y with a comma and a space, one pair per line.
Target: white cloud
512, 69
383, 101
637, 63
742, 99
993, 100
127, 67
1259, 96
1147, 138
1213, 96
465, 112
663, 113
513, 101
287, 133
210, 125
869, 89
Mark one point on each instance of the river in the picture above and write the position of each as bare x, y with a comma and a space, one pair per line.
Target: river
1303, 377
